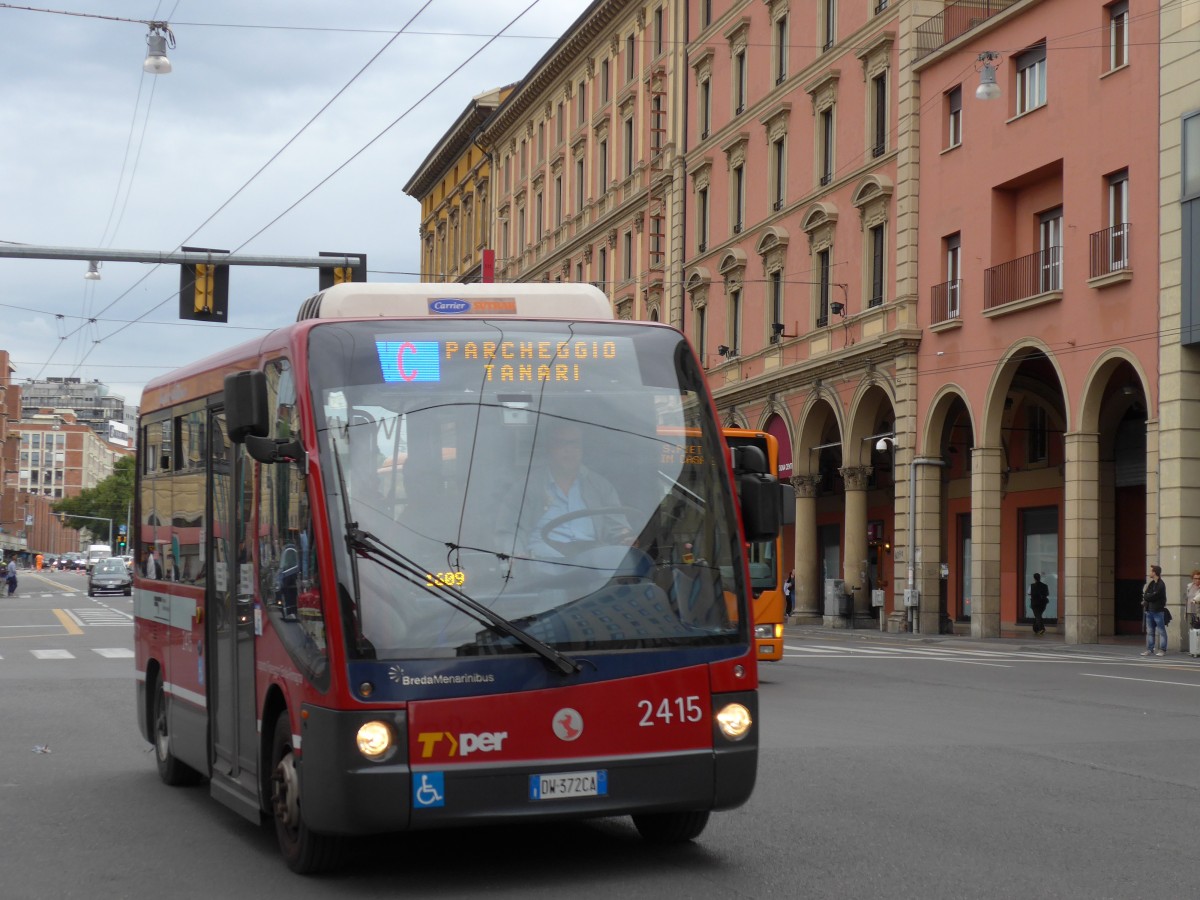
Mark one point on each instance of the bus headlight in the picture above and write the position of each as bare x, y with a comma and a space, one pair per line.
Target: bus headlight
734, 721
374, 740
764, 632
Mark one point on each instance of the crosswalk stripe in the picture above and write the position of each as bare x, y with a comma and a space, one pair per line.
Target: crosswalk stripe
52, 654
114, 652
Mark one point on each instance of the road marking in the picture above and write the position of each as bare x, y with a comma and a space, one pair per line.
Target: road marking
101, 616
53, 654
1147, 680
67, 622
114, 652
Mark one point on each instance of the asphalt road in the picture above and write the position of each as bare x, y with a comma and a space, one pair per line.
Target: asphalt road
891, 767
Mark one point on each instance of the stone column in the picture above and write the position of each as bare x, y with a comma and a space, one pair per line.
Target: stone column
854, 564
986, 492
930, 531
808, 584
1080, 614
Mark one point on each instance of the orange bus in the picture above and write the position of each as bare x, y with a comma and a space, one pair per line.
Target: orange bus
766, 557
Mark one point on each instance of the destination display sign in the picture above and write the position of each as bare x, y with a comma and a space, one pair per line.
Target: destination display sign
404, 360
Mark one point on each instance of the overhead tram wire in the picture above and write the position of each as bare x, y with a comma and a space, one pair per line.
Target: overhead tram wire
323, 181
239, 190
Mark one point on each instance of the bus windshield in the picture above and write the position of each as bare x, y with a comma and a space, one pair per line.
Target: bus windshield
566, 475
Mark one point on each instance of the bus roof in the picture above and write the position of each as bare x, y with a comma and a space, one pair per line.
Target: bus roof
526, 301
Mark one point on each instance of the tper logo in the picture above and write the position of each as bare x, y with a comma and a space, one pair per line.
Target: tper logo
463, 744
567, 724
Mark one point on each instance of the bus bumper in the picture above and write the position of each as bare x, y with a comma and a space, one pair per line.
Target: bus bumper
344, 793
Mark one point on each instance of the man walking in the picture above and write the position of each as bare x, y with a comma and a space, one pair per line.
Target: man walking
1039, 599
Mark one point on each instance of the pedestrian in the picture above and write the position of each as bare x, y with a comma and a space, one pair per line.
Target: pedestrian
789, 593
1193, 600
1039, 599
10, 575
1154, 601
39, 559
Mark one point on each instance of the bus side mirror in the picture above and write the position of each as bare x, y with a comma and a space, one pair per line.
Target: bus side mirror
246, 406
767, 506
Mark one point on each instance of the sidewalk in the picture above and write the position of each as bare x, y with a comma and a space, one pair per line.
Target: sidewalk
1011, 639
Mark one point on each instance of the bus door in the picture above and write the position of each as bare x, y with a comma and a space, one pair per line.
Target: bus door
231, 625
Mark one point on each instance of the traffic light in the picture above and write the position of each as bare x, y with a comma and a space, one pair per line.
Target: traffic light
328, 276
203, 289
120, 546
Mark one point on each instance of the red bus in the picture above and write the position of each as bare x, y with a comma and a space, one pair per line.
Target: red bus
766, 557
418, 560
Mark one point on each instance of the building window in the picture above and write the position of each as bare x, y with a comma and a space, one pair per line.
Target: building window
875, 264
738, 189
579, 181
1118, 35
879, 104
1118, 220
656, 123
559, 124
581, 104
822, 288
602, 267
627, 255
605, 86
705, 108
739, 82
602, 169
1031, 79
628, 147
1036, 424
825, 149
953, 275
630, 62
781, 49
538, 217
702, 220
954, 117
778, 172
658, 30
701, 335
776, 302
541, 141
520, 229
558, 201
735, 321
1050, 236
828, 24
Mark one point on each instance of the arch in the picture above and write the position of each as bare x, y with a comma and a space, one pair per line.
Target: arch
773, 238
1096, 381
817, 215
937, 412
870, 399
873, 187
821, 413
1002, 379
735, 258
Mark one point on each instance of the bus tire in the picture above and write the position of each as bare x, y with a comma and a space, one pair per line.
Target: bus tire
304, 851
170, 769
672, 827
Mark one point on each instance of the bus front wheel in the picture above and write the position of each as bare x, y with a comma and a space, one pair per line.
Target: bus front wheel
672, 827
304, 851
170, 769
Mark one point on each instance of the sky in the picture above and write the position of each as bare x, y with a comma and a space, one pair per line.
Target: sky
94, 153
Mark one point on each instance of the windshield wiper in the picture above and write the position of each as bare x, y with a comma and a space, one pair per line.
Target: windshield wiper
368, 545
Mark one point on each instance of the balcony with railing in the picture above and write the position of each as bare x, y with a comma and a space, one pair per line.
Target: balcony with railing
945, 302
955, 20
1036, 276
1109, 255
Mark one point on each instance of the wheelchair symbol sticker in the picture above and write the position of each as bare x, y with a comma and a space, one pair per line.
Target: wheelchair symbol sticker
429, 789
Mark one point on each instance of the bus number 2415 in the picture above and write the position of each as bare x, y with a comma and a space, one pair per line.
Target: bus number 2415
670, 709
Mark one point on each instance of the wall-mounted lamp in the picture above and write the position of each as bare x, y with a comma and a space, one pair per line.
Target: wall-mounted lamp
838, 308
156, 53
93, 272
722, 350
988, 89
884, 440
777, 329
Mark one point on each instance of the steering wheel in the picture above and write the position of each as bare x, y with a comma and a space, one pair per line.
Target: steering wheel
575, 547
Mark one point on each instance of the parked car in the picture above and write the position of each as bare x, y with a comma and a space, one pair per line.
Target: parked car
110, 576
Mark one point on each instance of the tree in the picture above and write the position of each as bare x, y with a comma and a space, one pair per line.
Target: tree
110, 499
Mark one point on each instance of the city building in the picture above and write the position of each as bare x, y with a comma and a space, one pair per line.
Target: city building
979, 354
588, 160
91, 402
452, 185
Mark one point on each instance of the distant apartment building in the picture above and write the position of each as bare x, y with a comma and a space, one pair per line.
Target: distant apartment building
453, 185
93, 404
